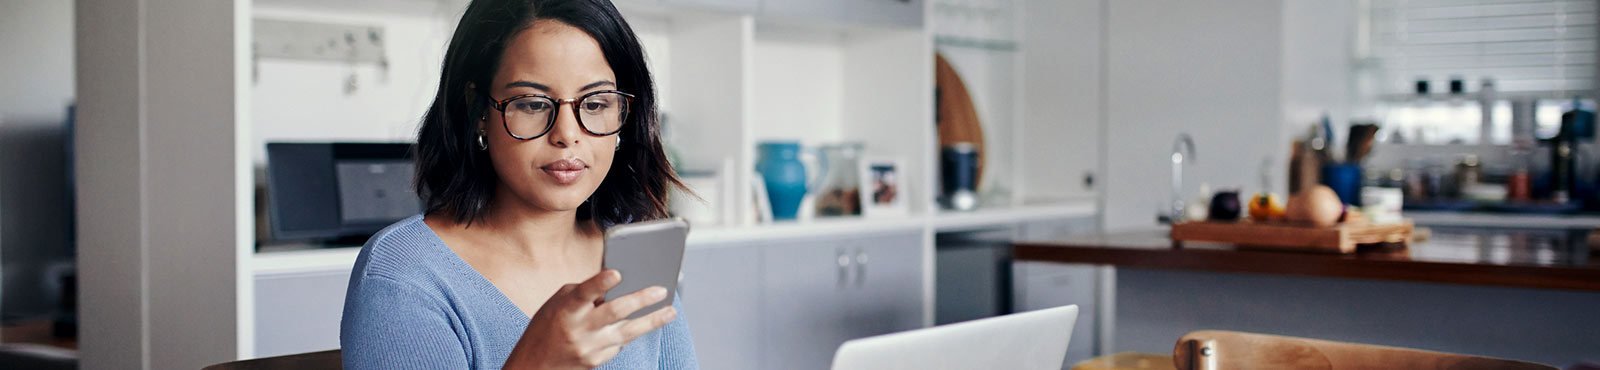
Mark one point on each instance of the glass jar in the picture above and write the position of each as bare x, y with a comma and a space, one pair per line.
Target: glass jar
839, 193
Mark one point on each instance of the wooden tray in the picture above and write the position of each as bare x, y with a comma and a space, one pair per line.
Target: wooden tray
1287, 236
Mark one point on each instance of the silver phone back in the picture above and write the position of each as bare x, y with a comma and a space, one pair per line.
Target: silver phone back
647, 254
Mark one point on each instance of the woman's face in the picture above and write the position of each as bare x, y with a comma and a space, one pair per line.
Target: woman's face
559, 170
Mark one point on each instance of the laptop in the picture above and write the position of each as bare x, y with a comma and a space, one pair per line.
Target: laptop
1035, 340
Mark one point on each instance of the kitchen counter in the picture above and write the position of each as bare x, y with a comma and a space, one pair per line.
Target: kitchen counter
1528, 258
1505, 220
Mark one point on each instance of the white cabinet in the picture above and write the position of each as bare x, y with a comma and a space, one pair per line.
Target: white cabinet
788, 303
1044, 285
721, 297
821, 293
1062, 92
299, 312
808, 286
889, 275
1040, 285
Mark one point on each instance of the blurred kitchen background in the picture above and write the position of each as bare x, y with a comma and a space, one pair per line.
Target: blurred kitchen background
866, 166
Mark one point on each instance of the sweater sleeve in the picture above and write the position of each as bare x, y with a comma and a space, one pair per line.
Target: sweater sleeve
391, 325
677, 346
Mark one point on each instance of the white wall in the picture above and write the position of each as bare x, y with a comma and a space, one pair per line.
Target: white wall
1210, 69
795, 85
37, 86
37, 37
1318, 52
297, 100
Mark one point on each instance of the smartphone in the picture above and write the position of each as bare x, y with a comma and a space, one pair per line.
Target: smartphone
647, 254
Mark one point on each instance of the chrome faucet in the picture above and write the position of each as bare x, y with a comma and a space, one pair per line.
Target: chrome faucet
1182, 151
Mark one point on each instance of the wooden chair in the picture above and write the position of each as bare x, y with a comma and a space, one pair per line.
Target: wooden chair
305, 361
1214, 349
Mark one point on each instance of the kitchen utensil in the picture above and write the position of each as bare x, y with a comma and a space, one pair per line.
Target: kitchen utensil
1346, 180
1304, 167
1359, 143
1328, 140
955, 114
1320, 139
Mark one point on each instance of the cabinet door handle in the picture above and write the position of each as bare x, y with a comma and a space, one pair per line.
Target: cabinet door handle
861, 267
844, 267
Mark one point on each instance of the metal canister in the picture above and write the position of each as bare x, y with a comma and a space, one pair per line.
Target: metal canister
959, 167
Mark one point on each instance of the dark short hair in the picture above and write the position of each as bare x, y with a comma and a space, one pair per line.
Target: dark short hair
455, 177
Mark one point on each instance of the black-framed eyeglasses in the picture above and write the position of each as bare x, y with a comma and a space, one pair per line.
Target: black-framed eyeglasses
600, 113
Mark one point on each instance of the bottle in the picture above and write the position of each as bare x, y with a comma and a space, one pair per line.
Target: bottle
1460, 115
1486, 102
1468, 173
1420, 124
1576, 124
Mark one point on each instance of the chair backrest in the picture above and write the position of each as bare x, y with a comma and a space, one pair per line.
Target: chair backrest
325, 360
1035, 340
1215, 349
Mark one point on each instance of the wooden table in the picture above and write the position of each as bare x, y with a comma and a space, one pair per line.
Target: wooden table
1549, 259
36, 332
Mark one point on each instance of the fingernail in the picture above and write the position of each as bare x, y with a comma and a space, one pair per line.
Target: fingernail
658, 293
613, 276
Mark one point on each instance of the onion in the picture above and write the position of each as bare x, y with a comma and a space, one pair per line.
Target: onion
1225, 206
1317, 205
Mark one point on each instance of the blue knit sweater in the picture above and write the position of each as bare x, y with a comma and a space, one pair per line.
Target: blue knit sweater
413, 304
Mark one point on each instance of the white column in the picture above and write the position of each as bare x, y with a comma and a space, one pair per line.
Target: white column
159, 183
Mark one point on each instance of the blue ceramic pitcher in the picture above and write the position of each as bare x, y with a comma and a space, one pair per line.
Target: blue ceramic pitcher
784, 175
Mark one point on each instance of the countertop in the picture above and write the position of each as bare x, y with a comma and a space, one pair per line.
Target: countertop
1529, 258
1505, 220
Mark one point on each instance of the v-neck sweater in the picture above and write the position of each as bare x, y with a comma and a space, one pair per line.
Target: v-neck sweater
413, 303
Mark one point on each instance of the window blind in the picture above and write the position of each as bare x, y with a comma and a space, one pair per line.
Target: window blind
1528, 47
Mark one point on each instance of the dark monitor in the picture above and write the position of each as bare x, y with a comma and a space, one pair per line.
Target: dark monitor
337, 190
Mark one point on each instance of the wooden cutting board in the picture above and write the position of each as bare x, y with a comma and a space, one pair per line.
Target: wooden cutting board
1216, 349
956, 117
1342, 238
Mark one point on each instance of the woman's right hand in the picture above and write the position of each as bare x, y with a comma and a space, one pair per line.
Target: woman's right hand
577, 329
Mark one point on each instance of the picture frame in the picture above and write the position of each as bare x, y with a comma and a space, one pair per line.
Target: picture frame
883, 187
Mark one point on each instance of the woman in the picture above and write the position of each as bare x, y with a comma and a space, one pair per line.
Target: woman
542, 134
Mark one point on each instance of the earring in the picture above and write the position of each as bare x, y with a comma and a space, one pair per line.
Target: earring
619, 144
482, 143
